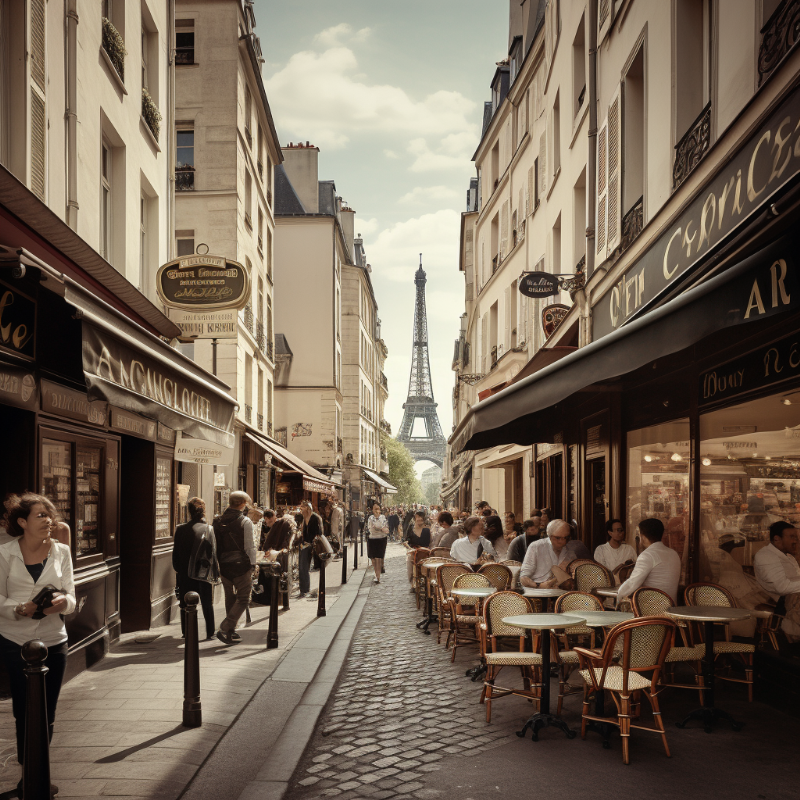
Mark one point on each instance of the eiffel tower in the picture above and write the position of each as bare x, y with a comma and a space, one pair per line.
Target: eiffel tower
420, 405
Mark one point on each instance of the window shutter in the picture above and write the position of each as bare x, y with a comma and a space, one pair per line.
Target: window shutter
605, 17
551, 156
543, 164
507, 312
602, 190
614, 213
480, 267
529, 196
520, 215
38, 122
485, 344
504, 231
38, 108
38, 42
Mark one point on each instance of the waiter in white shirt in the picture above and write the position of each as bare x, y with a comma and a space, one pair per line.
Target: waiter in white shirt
658, 566
778, 574
615, 551
537, 568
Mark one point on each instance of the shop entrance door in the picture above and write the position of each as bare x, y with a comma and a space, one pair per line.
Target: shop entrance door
550, 485
597, 501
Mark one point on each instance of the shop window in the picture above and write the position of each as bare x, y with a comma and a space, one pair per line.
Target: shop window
658, 484
749, 478
163, 496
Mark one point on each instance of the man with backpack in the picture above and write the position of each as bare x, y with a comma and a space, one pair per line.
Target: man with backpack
237, 561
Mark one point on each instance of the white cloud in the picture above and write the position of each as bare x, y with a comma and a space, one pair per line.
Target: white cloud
336, 35
429, 194
365, 228
390, 154
454, 152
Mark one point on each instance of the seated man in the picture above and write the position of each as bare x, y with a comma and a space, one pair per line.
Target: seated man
658, 566
537, 568
530, 533
447, 533
468, 549
615, 551
778, 574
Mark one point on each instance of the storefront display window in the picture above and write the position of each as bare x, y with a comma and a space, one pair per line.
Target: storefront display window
163, 495
750, 478
658, 484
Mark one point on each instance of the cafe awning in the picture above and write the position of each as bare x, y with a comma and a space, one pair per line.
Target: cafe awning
450, 490
384, 484
313, 479
765, 284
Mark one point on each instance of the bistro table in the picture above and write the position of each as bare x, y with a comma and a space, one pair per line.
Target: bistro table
603, 619
481, 593
550, 594
430, 584
709, 616
544, 622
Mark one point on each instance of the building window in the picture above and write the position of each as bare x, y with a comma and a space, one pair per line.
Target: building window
143, 241
184, 243
556, 138
106, 217
248, 114
248, 198
260, 153
184, 161
184, 42
260, 231
579, 218
633, 154
579, 68
269, 254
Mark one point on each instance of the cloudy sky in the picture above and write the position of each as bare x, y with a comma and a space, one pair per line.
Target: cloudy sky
392, 93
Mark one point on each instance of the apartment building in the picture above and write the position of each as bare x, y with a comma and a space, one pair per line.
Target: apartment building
226, 151
667, 388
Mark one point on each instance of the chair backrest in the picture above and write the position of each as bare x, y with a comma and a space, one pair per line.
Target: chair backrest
649, 602
446, 574
623, 572
591, 575
578, 562
577, 601
421, 554
470, 580
498, 574
504, 604
708, 594
440, 551
645, 644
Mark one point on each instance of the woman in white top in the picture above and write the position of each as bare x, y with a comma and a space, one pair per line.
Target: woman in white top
378, 531
28, 563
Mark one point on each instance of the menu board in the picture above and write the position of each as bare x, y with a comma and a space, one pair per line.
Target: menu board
57, 476
87, 496
163, 495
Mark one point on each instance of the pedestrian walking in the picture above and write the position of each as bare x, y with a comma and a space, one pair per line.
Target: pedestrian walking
378, 530
194, 559
36, 592
237, 562
394, 524
312, 527
266, 526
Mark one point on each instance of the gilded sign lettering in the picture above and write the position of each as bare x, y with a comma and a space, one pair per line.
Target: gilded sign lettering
201, 283
17, 321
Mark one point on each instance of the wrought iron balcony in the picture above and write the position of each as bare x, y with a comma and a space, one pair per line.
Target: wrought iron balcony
778, 37
271, 349
692, 147
248, 413
261, 339
184, 179
269, 428
248, 318
261, 422
632, 225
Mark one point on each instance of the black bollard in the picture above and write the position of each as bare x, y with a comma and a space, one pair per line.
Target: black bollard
321, 612
362, 542
272, 633
36, 769
192, 713
286, 566
355, 554
344, 565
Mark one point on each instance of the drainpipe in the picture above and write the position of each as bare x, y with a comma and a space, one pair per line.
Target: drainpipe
170, 130
71, 78
591, 164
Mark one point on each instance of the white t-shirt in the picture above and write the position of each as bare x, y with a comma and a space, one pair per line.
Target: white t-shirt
611, 557
466, 552
658, 567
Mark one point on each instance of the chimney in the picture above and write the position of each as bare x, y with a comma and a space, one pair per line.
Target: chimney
301, 163
347, 217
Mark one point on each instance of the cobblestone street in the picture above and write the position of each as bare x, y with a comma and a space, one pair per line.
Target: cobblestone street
405, 722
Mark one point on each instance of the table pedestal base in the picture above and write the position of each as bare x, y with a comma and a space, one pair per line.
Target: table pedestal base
429, 618
476, 673
542, 720
709, 717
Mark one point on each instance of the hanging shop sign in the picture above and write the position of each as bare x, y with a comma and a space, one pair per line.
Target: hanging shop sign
552, 317
769, 159
538, 284
313, 485
18, 387
206, 324
17, 322
203, 283
201, 451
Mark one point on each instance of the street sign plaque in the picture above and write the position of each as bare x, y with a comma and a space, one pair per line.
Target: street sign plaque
203, 283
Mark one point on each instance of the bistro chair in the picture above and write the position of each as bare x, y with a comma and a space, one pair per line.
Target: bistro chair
645, 644
568, 658
441, 552
429, 583
496, 607
578, 562
417, 581
768, 627
649, 602
623, 572
464, 615
591, 575
445, 575
499, 575
712, 594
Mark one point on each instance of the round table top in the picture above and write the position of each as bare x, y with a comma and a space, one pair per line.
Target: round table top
609, 591
543, 621
760, 613
479, 591
599, 619
529, 591
709, 613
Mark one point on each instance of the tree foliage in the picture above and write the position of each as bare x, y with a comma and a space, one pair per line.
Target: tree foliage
432, 494
401, 472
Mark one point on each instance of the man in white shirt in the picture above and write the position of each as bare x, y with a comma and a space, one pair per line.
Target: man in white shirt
544, 554
615, 551
466, 549
778, 574
658, 566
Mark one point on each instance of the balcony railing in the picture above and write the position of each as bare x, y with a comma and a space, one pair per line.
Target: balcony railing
692, 147
261, 339
248, 318
114, 45
778, 37
261, 422
184, 179
248, 413
631, 225
271, 349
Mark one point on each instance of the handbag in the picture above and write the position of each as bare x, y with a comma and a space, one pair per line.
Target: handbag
43, 599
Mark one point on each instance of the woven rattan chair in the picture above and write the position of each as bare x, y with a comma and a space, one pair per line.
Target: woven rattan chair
712, 594
623, 572
441, 552
496, 607
568, 658
426, 577
578, 562
417, 580
645, 644
445, 575
591, 575
464, 612
498, 574
649, 602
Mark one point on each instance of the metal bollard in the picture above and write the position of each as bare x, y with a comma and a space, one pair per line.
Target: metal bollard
355, 554
321, 612
192, 713
286, 566
362, 542
344, 564
36, 766
272, 633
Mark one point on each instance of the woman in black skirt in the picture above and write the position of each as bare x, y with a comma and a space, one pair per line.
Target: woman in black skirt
378, 531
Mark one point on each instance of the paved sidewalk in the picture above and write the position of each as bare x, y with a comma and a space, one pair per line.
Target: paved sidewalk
118, 725
403, 722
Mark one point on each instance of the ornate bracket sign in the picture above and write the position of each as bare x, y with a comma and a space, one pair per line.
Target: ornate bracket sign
552, 317
538, 284
203, 283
